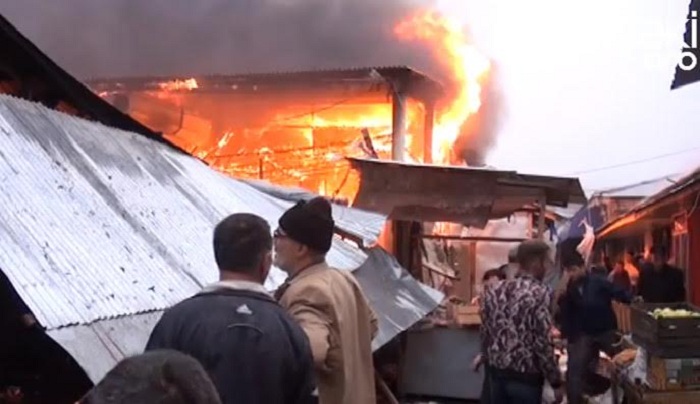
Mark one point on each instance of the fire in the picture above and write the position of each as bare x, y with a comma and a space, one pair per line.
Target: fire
467, 66
302, 141
175, 85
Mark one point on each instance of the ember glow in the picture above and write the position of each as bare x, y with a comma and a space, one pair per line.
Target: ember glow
175, 85
467, 66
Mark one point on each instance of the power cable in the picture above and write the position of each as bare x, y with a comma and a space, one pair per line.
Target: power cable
631, 163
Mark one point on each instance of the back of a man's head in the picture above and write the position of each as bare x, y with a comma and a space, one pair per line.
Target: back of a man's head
572, 260
164, 377
241, 242
531, 255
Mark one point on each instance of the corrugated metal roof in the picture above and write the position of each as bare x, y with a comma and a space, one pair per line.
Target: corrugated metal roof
100, 223
332, 73
97, 347
640, 189
683, 184
363, 224
103, 229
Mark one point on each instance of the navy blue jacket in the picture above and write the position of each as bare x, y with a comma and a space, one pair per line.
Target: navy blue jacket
586, 307
252, 349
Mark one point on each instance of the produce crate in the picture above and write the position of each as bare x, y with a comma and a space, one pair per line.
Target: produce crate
673, 374
666, 337
639, 395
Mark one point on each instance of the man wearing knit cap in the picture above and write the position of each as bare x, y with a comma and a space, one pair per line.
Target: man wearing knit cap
328, 304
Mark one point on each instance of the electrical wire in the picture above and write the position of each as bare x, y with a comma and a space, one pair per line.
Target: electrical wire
635, 162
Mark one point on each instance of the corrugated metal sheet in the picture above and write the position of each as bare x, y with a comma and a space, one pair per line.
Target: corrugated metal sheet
99, 223
363, 224
350, 73
640, 189
103, 229
97, 347
397, 298
647, 205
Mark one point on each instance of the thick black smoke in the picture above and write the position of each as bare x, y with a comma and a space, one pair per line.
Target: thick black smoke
103, 38
112, 38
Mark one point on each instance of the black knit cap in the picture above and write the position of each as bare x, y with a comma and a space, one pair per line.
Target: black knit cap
310, 223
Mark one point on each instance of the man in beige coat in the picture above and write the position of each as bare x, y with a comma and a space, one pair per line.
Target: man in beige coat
328, 304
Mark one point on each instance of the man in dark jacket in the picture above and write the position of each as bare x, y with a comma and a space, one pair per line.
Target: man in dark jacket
253, 350
588, 323
660, 282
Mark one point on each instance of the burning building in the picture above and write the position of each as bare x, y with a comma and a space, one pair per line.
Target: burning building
288, 128
297, 128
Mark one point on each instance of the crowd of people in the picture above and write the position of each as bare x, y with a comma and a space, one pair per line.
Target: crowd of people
311, 342
521, 317
235, 343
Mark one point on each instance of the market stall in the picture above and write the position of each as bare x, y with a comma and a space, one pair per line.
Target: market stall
662, 362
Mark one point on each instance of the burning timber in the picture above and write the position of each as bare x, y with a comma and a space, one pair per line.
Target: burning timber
289, 128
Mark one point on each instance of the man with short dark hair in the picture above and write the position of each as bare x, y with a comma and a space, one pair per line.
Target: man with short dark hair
660, 282
165, 377
516, 326
253, 350
328, 303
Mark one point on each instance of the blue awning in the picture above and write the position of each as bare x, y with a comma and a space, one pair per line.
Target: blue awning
592, 214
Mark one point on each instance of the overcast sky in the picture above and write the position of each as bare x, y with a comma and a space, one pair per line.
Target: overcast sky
588, 86
587, 83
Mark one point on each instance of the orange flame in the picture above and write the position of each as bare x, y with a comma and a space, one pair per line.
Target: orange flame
174, 85
466, 65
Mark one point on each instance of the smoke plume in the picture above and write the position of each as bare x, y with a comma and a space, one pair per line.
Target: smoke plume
107, 38
112, 38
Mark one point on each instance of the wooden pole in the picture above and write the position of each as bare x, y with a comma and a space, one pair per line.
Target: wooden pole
540, 220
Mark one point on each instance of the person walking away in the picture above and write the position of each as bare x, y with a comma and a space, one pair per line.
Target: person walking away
620, 278
491, 278
660, 282
516, 331
328, 304
253, 350
165, 377
588, 323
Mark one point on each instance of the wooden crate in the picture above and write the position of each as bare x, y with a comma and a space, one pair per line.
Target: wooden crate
673, 374
666, 337
466, 314
639, 395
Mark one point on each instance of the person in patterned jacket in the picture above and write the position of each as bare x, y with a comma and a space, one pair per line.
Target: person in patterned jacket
515, 332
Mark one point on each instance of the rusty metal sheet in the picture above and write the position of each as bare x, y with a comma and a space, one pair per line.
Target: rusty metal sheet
454, 194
